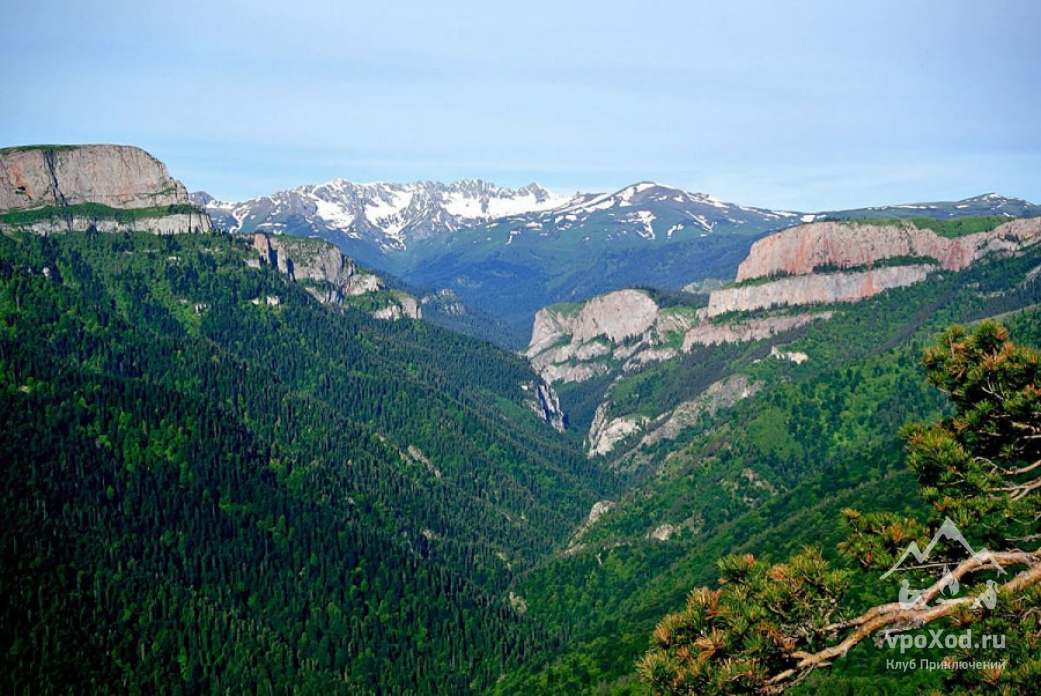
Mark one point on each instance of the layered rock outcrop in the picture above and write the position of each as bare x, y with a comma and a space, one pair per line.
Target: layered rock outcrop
804, 249
328, 275
796, 258
118, 176
305, 259
61, 177
573, 343
193, 222
615, 316
606, 432
625, 330
710, 334
822, 263
400, 306
815, 289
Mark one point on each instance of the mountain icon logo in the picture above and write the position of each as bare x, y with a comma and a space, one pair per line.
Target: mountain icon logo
948, 582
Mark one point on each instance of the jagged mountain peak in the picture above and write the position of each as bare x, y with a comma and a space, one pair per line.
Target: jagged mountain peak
388, 214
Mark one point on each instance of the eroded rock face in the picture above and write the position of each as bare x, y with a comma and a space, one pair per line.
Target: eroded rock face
797, 256
709, 334
543, 400
121, 178
815, 289
615, 316
564, 347
114, 175
401, 306
567, 342
801, 250
305, 259
607, 432
179, 223
332, 275
722, 394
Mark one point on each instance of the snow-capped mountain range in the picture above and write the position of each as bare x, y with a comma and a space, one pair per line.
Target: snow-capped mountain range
510, 252
389, 215
395, 216
652, 211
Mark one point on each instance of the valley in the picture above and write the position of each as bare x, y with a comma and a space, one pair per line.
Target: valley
450, 438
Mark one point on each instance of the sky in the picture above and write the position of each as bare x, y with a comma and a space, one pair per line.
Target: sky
804, 105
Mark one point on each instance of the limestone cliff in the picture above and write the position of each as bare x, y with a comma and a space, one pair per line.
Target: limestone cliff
804, 249
625, 330
815, 289
796, 257
606, 432
51, 188
754, 329
543, 400
614, 316
114, 175
330, 276
621, 332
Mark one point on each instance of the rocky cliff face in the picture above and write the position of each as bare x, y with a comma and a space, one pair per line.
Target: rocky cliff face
177, 223
606, 432
573, 343
305, 259
801, 250
625, 330
52, 178
329, 275
114, 175
798, 254
543, 400
710, 334
614, 316
815, 289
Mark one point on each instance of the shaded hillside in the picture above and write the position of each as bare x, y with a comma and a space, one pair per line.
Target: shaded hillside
204, 492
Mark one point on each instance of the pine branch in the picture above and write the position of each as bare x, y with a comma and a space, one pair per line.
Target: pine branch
893, 614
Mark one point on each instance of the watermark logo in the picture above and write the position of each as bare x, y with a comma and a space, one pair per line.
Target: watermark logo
948, 588
943, 590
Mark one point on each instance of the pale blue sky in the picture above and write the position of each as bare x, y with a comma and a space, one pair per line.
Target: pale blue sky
799, 104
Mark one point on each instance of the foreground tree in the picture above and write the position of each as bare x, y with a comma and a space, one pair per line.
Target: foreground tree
767, 627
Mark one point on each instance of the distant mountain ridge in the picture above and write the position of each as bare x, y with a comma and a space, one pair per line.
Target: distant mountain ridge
984, 204
510, 252
391, 216
394, 217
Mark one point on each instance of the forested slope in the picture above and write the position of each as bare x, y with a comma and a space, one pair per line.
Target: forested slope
203, 490
765, 476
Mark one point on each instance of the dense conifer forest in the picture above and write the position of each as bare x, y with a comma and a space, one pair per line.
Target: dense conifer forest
210, 489
204, 492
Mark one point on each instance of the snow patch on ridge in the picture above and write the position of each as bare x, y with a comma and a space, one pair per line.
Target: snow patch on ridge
332, 213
